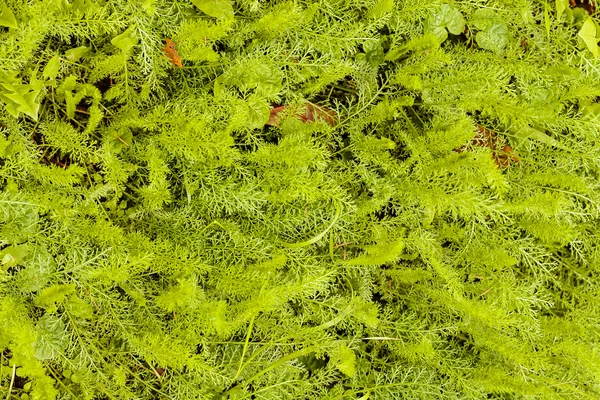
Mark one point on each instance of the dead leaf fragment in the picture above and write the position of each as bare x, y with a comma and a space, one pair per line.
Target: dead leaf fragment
172, 54
307, 112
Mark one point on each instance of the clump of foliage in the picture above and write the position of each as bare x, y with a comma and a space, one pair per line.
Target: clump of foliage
164, 237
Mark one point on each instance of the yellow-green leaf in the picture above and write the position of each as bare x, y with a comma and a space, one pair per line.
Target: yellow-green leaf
588, 34
126, 40
347, 361
7, 18
76, 53
561, 6
221, 9
51, 69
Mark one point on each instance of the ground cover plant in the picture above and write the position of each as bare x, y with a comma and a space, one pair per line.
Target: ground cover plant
331, 199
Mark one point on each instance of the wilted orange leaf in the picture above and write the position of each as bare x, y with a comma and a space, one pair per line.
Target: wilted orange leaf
172, 53
306, 113
502, 154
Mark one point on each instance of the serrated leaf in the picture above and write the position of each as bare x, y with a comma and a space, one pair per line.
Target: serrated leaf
373, 52
221, 9
484, 18
126, 40
379, 254
51, 340
120, 139
7, 18
52, 67
19, 98
445, 18
13, 255
347, 361
53, 294
381, 9
79, 307
71, 104
588, 34
257, 111
494, 37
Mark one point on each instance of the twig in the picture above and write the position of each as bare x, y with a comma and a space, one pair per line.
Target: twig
12, 381
342, 244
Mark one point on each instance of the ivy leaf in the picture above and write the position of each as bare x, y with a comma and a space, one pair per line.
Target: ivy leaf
220, 9
51, 69
52, 339
126, 40
588, 34
7, 18
446, 18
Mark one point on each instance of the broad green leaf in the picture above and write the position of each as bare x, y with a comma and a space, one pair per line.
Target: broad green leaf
52, 67
221, 9
82, 6
126, 40
76, 53
493, 38
527, 132
493, 33
7, 18
373, 52
52, 339
561, 6
13, 255
79, 307
588, 34
255, 110
120, 139
36, 274
445, 18
19, 98
484, 18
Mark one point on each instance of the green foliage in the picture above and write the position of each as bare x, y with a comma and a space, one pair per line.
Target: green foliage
158, 240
